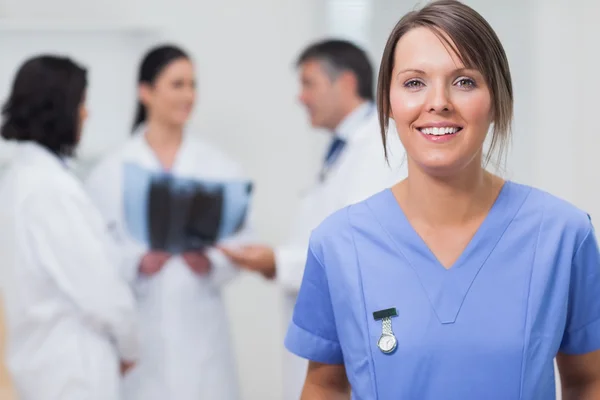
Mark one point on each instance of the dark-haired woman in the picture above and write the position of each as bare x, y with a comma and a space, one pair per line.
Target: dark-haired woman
186, 349
70, 315
454, 284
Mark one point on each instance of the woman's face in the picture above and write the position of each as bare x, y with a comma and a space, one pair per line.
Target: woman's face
442, 110
171, 97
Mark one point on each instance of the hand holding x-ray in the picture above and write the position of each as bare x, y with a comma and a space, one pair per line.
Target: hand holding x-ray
153, 261
177, 215
198, 262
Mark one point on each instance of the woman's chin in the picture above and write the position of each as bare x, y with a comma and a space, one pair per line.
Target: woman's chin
442, 166
179, 122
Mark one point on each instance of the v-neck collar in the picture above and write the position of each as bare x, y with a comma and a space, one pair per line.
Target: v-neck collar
447, 288
153, 158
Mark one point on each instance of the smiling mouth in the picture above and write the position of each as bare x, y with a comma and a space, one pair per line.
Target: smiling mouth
440, 131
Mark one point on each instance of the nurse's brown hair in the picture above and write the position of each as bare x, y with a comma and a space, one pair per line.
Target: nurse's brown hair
475, 43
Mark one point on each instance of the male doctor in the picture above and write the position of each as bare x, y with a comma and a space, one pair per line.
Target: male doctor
337, 91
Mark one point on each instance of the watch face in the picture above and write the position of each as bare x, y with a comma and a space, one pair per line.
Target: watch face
387, 343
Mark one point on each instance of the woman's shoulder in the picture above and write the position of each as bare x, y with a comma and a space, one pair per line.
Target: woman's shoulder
339, 229
554, 212
34, 187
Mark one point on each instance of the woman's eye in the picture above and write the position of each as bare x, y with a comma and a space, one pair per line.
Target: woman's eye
466, 83
412, 84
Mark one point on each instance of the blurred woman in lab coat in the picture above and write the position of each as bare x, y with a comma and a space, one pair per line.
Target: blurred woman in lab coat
70, 316
186, 349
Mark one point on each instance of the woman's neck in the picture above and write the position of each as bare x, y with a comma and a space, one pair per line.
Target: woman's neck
165, 141
448, 201
163, 136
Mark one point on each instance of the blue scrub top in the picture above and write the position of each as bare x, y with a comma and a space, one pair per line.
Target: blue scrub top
526, 287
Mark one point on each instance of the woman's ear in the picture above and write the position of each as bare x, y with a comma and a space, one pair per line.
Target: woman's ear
145, 93
83, 112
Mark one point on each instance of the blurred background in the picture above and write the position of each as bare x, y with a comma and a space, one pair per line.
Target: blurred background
245, 53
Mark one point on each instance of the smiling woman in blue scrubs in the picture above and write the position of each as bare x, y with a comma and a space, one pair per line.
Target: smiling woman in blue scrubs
453, 284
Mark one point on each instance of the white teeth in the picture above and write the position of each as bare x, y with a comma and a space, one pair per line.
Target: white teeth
439, 131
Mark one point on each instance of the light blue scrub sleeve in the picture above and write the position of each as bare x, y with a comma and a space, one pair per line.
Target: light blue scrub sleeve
582, 333
312, 333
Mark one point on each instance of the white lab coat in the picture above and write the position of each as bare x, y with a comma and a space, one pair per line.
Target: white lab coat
359, 172
186, 349
70, 316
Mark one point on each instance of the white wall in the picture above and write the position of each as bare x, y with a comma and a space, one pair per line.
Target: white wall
567, 101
